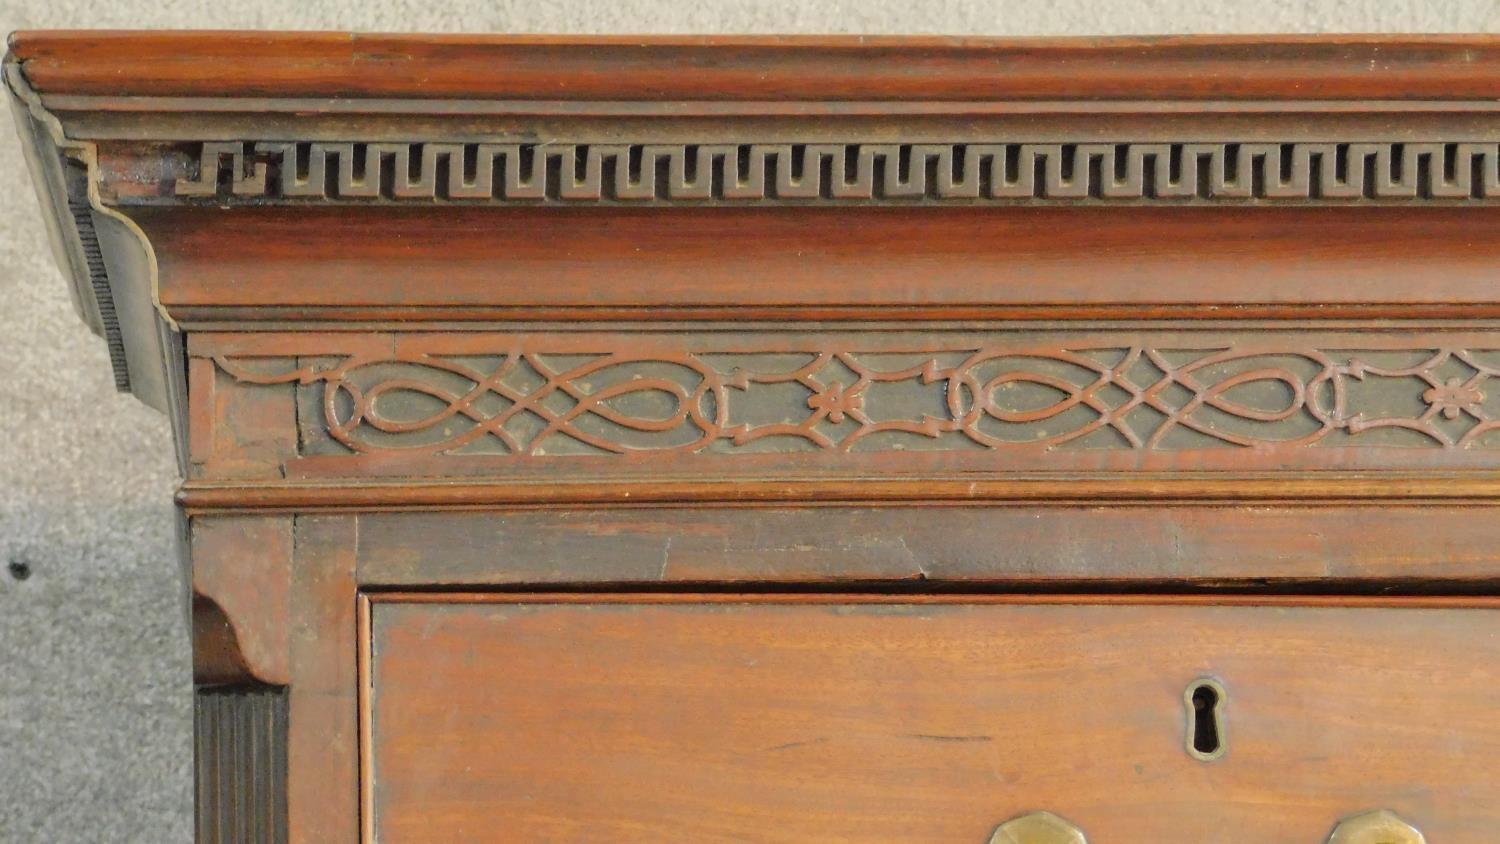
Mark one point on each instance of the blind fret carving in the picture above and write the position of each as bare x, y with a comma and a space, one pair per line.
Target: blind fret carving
841, 172
531, 400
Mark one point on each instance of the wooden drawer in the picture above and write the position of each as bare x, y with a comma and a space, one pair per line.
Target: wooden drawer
866, 718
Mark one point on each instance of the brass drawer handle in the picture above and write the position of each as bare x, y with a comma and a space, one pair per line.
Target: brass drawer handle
1378, 827
1038, 828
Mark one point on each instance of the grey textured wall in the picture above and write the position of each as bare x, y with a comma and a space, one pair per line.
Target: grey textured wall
95, 717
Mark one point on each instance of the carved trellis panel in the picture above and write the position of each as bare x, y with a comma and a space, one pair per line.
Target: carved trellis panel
993, 400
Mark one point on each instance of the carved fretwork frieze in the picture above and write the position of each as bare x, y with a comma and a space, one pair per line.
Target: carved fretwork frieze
529, 397
840, 173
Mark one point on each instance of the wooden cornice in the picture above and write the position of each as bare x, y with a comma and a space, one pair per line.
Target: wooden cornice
196, 180
343, 65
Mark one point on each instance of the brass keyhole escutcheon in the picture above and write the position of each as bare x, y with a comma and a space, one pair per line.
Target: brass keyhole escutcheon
1205, 719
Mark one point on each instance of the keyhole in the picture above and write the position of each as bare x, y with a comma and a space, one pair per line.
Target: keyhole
1205, 701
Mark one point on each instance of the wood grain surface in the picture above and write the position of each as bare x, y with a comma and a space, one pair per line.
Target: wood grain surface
821, 720
1337, 547
323, 716
823, 263
748, 68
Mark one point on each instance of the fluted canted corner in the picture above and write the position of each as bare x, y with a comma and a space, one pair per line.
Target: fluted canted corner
1037, 828
1377, 827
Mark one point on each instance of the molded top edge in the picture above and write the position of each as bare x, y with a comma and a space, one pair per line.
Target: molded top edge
757, 68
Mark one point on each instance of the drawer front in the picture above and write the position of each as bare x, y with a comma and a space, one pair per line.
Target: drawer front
837, 718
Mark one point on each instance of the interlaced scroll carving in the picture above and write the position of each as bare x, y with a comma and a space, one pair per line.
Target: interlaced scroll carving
534, 401
841, 172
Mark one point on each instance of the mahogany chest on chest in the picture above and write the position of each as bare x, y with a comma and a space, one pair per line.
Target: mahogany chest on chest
1030, 442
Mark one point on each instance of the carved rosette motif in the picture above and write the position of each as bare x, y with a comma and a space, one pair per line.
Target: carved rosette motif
531, 400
